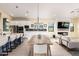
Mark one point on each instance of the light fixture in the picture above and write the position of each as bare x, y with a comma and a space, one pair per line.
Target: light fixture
17, 6
8, 20
37, 12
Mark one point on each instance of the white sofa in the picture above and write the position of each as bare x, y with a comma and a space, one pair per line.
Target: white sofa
58, 39
70, 42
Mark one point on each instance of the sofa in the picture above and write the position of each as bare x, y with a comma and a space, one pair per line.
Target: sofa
70, 42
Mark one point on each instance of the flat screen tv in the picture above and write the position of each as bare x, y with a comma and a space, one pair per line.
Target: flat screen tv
63, 25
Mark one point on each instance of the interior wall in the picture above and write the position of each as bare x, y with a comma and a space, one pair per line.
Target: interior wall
75, 21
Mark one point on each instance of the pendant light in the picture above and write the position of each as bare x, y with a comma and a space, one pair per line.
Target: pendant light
38, 13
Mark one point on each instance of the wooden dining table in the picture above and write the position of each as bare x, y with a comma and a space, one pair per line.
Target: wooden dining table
40, 41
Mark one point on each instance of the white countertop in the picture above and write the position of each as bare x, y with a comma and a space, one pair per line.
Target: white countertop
3, 40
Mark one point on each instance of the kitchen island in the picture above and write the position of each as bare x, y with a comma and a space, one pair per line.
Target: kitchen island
40, 45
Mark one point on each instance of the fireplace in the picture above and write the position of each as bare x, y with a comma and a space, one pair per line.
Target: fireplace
63, 33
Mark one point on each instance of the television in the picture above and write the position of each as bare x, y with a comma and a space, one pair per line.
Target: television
63, 25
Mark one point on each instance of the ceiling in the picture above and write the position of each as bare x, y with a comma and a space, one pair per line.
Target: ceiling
46, 10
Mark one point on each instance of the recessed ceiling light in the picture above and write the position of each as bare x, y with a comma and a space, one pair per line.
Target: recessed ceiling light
16, 6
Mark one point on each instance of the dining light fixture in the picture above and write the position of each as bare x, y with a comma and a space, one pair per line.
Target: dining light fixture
38, 13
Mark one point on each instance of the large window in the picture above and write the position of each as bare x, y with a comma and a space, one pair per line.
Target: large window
51, 27
5, 24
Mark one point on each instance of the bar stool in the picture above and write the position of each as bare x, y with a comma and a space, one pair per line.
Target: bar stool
8, 45
13, 44
2, 53
12, 41
4, 50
